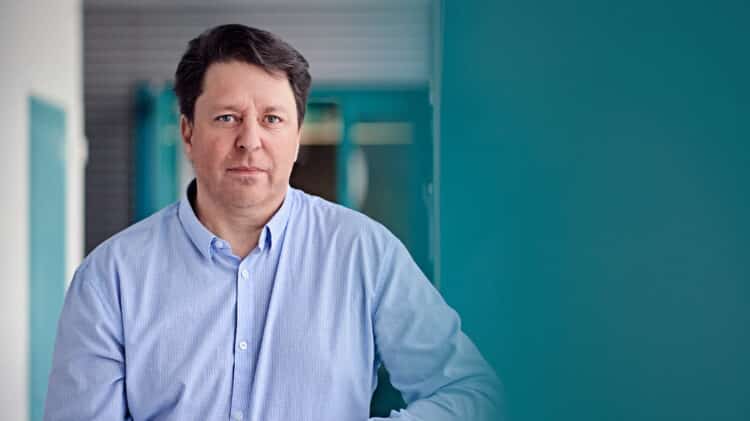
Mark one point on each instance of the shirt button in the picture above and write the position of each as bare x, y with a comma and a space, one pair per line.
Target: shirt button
243, 345
245, 274
219, 245
237, 415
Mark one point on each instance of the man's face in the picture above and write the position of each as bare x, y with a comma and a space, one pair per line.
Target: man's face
244, 137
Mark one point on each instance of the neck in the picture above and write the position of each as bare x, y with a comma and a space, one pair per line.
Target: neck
240, 226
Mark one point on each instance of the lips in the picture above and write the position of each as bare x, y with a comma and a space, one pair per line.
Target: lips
241, 169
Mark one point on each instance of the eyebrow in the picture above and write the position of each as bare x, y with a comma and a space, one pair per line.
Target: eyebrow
267, 109
275, 109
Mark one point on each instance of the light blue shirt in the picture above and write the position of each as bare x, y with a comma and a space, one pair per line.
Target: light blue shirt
163, 322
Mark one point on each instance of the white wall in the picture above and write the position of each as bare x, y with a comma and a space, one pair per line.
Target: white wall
40, 49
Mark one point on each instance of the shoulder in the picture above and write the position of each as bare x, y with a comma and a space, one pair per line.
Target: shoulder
328, 232
130, 244
347, 241
334, 222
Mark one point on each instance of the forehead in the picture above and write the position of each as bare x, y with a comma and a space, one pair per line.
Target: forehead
240, 83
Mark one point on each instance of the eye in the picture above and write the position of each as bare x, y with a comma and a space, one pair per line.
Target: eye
272, 119
226, 118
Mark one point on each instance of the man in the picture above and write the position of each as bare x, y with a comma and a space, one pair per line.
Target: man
250, 300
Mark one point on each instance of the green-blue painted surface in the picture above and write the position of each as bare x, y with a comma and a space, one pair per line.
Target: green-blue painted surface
595, 193
157, 149
47, 242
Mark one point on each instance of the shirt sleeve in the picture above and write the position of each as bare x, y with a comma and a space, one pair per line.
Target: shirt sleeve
87, 380
440, 373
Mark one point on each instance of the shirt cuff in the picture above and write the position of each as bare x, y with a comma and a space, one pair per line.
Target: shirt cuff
401, 415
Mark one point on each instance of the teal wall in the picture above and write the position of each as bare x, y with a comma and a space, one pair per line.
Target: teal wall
46, 242
594, 180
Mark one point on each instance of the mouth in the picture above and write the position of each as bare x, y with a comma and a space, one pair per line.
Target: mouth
245, 170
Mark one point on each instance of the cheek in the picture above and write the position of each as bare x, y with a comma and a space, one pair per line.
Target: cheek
209, 152
286, 157
283, 152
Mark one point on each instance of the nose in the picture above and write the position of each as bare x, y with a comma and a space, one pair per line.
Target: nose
249, 136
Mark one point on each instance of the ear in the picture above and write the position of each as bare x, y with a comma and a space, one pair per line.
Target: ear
299, 140
186, 132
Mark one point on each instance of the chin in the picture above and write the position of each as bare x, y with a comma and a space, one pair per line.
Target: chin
248, 199
251, 195
244, 192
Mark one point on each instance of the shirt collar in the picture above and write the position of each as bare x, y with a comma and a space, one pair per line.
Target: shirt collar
274, 229
203, 239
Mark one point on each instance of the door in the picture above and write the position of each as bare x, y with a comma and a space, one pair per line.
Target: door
47, 241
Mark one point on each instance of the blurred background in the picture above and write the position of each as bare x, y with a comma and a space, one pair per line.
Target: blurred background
573, 177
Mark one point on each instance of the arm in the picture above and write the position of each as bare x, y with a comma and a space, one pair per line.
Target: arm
87, 381
437, 368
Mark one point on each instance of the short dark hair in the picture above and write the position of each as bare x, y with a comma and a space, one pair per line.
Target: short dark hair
226, 43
